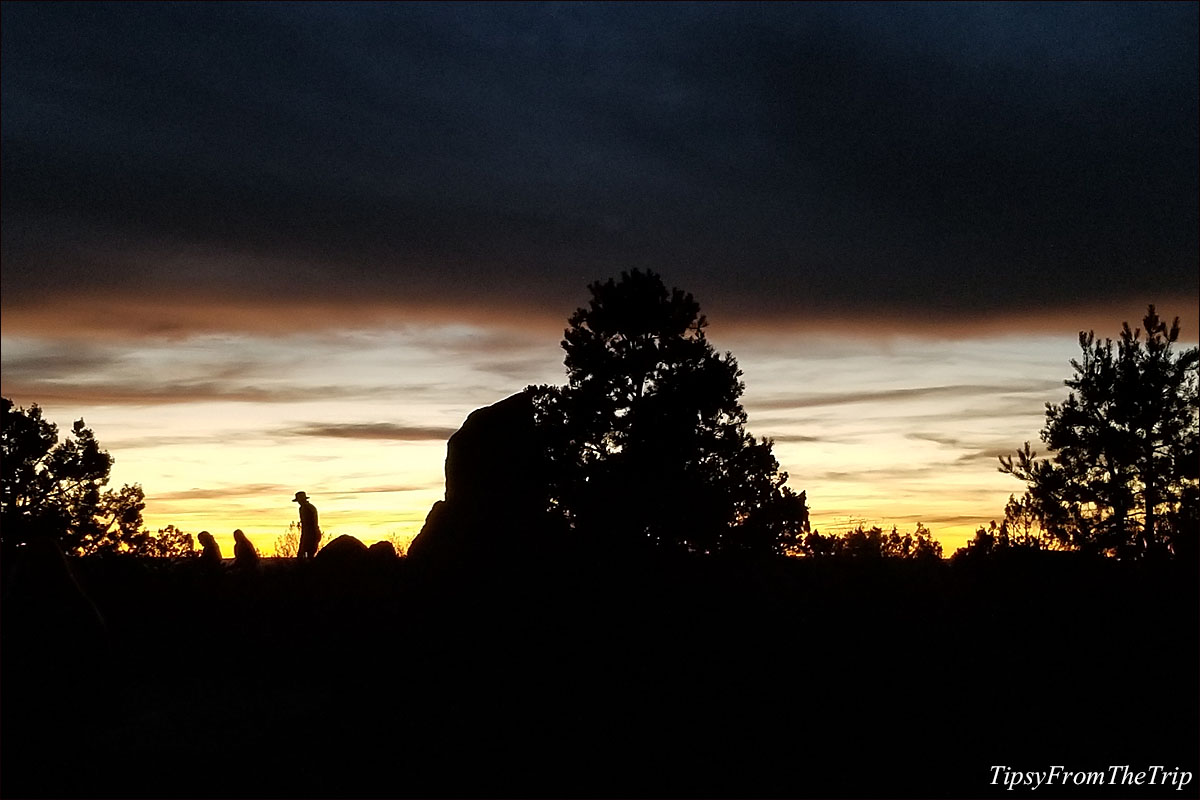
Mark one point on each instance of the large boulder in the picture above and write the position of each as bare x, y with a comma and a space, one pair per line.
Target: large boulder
345, 549
495, 459
496, 485
382, 552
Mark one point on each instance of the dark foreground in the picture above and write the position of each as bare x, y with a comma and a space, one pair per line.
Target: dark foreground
600, 678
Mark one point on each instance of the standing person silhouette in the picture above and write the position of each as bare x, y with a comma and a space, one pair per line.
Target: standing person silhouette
310, 532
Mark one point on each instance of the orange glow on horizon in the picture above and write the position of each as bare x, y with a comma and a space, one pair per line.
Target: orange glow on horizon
117, 317
222, 429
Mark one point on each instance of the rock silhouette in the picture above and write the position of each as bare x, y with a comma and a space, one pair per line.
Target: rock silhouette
495, 486
344, 549
382, 551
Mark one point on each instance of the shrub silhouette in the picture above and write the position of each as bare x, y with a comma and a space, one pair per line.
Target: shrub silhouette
874, 543
287, 544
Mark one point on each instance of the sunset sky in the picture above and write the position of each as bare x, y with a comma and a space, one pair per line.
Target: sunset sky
263, 248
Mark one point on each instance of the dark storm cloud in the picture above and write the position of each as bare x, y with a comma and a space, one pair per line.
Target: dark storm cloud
772, 158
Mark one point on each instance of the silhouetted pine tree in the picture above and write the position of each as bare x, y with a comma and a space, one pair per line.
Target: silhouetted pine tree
1123, 476
57, 489
648, 437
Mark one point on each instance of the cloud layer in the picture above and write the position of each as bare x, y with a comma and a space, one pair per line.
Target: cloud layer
944, 162
385, 431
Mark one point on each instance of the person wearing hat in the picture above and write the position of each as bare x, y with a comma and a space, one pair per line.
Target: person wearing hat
310, 532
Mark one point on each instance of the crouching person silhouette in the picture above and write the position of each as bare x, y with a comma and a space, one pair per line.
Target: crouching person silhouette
210, 555
310, 532
244, 555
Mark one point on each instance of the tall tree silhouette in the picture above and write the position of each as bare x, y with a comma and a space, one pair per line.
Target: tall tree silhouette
1123, 477
57, 489
648, 438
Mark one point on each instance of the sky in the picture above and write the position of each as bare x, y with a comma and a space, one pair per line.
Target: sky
271, 247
